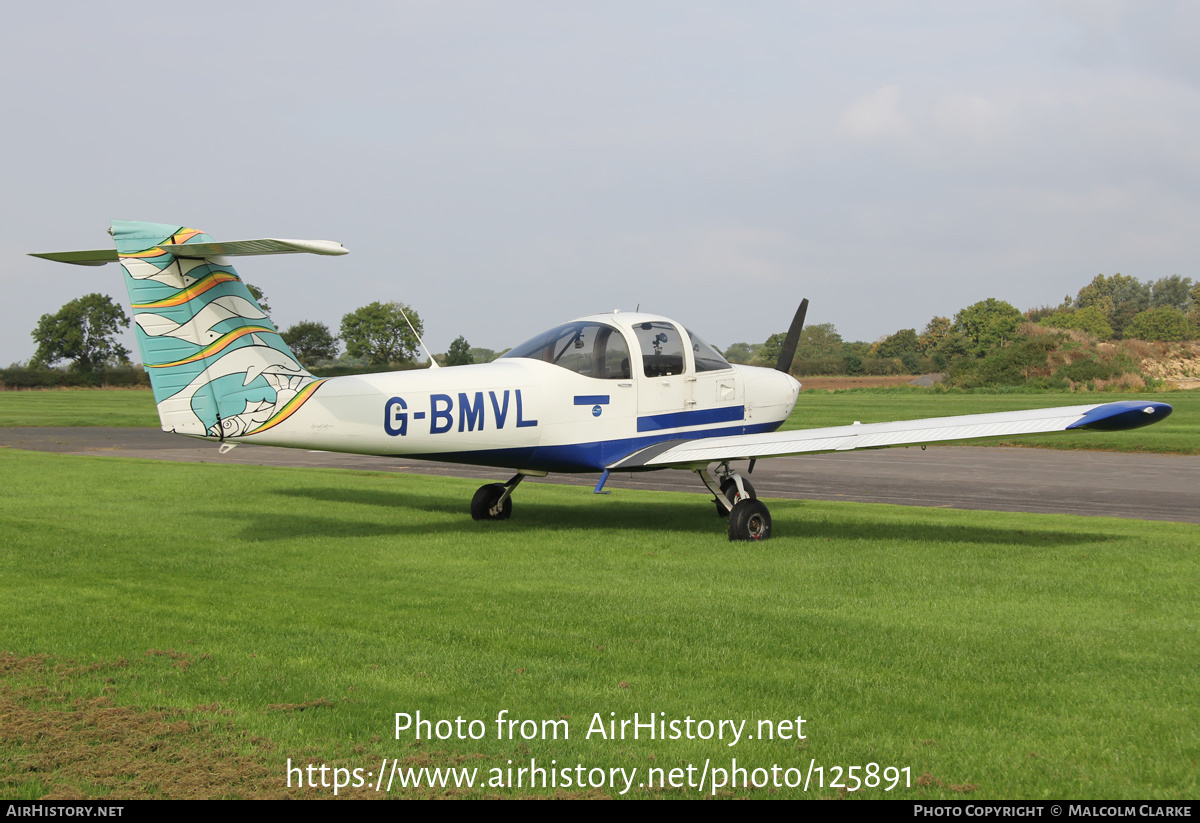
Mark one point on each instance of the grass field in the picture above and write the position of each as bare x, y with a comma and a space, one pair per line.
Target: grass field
78, 407
184, 630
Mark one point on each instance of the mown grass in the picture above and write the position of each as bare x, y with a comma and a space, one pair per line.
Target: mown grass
994, 654
78, 407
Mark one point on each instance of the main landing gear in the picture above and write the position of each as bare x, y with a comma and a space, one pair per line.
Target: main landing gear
494, 501
735, 499
734, 496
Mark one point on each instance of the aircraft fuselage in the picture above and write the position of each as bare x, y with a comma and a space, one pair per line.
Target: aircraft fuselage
523, 413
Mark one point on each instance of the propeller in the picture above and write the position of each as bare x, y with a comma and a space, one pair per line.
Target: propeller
788, 353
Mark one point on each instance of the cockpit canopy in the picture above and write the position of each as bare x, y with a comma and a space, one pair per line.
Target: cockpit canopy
584, 347
596, 349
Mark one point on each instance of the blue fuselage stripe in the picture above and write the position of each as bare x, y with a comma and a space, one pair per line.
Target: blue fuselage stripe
699, 417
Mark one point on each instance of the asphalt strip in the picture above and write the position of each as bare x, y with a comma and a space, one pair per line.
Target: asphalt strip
1139, 486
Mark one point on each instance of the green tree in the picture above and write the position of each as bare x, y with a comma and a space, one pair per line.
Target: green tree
1012, 365
311, 342
769, 351
1165, 323
1089, 320
378, 333
816, 341
1119, 298
819, 340
459, 353
1129, 291
83, 331
742, 353
912, 362
935, 332
988, 324
950, 349
857, 348
1042, 312
897, 344
1171, 291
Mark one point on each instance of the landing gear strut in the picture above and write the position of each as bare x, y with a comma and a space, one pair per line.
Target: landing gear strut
730, 490
749, 519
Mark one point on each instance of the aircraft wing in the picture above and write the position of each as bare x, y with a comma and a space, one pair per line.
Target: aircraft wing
696, 453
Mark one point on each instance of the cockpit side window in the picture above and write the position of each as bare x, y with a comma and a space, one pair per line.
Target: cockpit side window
707, 358
662, 349
590, 349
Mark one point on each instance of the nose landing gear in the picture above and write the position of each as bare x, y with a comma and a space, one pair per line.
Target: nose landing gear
730, 490
749, 518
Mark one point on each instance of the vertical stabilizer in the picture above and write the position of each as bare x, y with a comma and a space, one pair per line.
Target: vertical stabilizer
218, 366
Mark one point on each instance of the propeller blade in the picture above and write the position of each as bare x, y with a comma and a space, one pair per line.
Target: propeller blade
788, 353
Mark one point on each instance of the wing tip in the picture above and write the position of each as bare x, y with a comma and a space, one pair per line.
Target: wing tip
1123, 415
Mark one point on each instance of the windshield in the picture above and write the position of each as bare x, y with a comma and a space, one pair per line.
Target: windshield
590, 349
707, 358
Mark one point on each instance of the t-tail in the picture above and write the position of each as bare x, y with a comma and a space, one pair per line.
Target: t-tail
217, 364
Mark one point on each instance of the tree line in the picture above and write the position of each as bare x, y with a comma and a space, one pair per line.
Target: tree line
83, 333
1108, 308
385, 335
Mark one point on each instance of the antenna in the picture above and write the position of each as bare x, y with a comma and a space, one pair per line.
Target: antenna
433, 364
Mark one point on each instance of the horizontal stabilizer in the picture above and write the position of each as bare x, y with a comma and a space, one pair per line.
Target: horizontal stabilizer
97, 257
237, 248
1127, 414
231, 248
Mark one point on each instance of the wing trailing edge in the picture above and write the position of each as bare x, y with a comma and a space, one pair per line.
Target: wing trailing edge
1106, 416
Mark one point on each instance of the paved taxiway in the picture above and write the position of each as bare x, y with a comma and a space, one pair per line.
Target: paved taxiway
1143, 486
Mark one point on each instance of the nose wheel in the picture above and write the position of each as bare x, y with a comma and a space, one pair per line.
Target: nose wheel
749, 520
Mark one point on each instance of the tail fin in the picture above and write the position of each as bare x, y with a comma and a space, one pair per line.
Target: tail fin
217, 365
216, 362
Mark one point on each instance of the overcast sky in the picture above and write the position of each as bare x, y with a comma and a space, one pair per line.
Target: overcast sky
503, 167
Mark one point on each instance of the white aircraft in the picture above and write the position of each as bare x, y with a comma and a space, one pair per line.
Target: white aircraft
603, 393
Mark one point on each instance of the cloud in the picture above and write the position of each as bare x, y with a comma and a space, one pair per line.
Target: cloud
966, 116
875, 117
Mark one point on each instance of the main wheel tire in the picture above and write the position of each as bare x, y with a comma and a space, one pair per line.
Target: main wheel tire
485, 500
729, 489
749, 520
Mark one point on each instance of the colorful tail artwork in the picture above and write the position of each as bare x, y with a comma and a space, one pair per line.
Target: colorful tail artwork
217, 365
